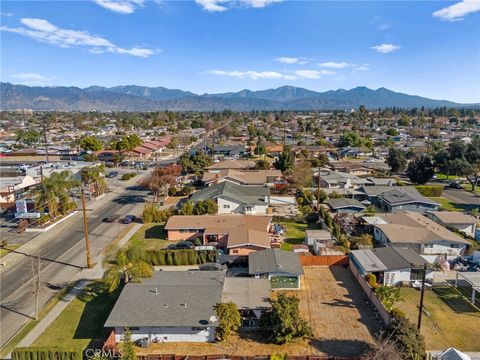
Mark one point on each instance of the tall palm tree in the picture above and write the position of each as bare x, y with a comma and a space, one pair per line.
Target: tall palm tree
94, 175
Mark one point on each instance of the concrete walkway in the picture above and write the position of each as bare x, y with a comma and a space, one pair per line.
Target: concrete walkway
81, 279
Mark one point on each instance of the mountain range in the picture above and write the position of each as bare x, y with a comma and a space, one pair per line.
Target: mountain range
143, 98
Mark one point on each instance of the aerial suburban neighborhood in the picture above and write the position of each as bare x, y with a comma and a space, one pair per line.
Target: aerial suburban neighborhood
149, 223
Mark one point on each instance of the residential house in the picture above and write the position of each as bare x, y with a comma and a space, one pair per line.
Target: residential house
232, 164
319, 240
12, 186
397, 198
230, 151
413, 230
345, 205
243, 177
339, 180
352, 168
171, 306
282, 268
236, 234
460, 221
236, 199
390, 265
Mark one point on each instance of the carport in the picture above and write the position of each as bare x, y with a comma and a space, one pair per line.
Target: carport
473, 279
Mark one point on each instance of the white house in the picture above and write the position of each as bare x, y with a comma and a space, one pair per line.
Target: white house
415, 231
172, 306
391, 266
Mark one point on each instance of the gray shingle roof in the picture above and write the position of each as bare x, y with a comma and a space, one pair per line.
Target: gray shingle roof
169, 298
339, 203
274, 261
249, 195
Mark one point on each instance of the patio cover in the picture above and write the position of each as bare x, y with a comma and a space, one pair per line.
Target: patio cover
473, 279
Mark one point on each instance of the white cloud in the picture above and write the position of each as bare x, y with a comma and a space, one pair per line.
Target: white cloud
385, 48
457, 11
363, 67
288, 60
335, 65
382, 26
255, 75
31, 79
223, 5
6, 13
120, 6
43, 31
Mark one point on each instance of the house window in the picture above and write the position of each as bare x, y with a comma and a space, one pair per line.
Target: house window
416, 274
248, 208
234, 251
454, 246
429, 246
134, 328
183, 231
226, 206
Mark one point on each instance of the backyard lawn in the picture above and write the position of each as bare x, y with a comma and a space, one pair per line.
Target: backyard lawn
295, 233
450, 206
150, 236
450, 319
80, 325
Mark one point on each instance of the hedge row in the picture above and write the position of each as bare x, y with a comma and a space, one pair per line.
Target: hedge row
46, 353
430, 190
173, 257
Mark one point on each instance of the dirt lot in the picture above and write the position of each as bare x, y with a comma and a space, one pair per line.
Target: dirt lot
331, 301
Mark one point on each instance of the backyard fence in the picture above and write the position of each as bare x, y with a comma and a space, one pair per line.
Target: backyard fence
384, 314
324, 260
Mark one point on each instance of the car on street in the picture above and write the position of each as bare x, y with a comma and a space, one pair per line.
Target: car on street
128, 219
112, 174
182, 245
111, 218
454, 185
212, 266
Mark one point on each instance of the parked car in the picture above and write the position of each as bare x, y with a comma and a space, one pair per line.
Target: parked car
454, 185
112, 174
128, 219
111, 218
212, 266
182, 245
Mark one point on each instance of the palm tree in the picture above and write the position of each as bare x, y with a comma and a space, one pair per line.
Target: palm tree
53, 192
94, 175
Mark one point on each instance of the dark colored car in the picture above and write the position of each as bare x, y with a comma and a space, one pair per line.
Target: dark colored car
182, 245
111, 218
128, 219
112, 174
212, 266
454, 185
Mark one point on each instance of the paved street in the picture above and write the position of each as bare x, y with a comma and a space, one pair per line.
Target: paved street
63, 255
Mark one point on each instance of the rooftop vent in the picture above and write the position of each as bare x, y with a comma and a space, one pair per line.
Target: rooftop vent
184, 305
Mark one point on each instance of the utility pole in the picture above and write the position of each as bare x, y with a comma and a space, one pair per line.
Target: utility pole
45, 137
87, 242
318, 190
420, 311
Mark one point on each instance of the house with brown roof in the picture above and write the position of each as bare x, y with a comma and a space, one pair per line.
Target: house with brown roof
243, 177
237, 234
460, 221
413, 230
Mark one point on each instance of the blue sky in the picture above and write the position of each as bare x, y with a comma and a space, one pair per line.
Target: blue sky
425, 48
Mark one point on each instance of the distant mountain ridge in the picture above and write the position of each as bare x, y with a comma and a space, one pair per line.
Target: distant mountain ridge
144, 98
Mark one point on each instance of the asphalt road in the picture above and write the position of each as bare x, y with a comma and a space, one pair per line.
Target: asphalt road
62, 257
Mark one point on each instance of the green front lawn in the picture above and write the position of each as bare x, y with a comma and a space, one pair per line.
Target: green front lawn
283, 282
450, 206
450, 320
150, 236
81, 323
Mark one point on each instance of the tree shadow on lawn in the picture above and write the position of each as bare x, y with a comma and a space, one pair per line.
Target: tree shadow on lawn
156, 232
338, 347
368, 316
455, 301
98, 305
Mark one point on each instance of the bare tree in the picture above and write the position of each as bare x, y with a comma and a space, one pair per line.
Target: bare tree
383, 349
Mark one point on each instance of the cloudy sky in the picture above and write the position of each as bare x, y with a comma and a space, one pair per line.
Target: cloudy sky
426, 48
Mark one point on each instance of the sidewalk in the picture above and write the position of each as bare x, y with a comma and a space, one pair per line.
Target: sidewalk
81, 279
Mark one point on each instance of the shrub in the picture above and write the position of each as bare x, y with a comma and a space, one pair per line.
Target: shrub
42, 220
126, 177
397, 313
152, 214
372, 280
229, 319
430, 190
175, 257
407, 338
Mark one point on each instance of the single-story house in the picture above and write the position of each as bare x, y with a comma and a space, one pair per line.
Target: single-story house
230, 150
282, 268
345, 205
390, 265
236, 199
171, 306
243, 177
397, 198
238, 234
250, 295
339, 180
460, 221
413, 230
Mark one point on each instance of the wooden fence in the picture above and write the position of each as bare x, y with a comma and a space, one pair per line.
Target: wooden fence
324, 260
